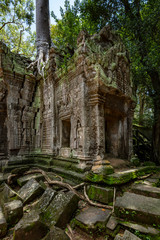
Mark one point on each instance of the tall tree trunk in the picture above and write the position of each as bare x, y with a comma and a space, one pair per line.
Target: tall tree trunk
43, 40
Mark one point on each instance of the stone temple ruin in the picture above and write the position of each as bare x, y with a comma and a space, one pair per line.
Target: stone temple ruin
84, 112
70, 124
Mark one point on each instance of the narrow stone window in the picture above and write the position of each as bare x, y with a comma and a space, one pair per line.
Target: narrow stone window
66, 130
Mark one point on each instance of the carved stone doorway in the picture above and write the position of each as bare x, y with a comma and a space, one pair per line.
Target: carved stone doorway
112, 135
66, 132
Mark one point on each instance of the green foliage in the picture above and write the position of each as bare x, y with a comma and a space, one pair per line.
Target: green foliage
16, 18
21, 43
17, 12
64, 34
99, 12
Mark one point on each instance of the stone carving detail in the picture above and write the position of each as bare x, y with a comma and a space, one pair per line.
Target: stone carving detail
84, 112
79, 136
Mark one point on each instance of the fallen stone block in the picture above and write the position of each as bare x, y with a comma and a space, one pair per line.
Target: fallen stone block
100, 194
93, 218
99, 173
127, 236
56, 234
45, 200
6, 194
13, 212
130, 236
23, 180
3, 224
30, 227
138, 208
128, 175
118, 237
145, 229
30, 191
146, 190
112, 226
112, 223
60, 210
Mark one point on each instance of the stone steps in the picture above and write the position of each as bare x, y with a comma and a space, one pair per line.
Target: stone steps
43, 167
42, 161
67, 168
68, 165
138, 208
68, 174
72, 160
8, 169
20, 161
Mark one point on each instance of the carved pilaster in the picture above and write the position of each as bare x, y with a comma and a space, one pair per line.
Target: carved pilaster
97, 125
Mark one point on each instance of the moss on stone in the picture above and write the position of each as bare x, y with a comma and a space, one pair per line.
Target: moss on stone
100, 175
124, 177
100, 194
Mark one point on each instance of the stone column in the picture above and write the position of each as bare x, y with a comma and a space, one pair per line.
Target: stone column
97, 125
100, 167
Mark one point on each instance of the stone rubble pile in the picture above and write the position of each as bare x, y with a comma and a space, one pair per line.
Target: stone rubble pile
35, 211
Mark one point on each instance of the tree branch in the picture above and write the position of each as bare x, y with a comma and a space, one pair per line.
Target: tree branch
6, 24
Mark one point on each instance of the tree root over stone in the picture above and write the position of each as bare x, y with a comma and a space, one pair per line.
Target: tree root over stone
69, 232
67, 186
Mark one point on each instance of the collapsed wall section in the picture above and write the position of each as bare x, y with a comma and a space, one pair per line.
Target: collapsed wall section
20, 98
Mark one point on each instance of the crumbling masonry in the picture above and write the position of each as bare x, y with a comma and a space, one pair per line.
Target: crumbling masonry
84, 111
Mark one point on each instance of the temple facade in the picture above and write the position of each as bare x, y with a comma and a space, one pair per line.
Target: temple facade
84, 111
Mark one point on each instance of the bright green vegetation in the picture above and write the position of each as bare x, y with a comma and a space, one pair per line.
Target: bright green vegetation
16, 18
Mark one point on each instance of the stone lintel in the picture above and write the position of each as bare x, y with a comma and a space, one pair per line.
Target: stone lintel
96, 99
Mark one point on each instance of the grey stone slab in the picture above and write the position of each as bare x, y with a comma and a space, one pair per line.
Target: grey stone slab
30, 190
23, 180
56, 234
45, 200
155, 176
138, 208
127, 236
118, 237
152, 180
130, 236
92, 217
128, 175
100, 194
146, 190
3, 224
112, 223
6, 193
13, 211
60, 210
141, 228
30, 227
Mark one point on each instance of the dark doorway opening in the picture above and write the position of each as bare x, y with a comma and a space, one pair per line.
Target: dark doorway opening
111, 135
66, 131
